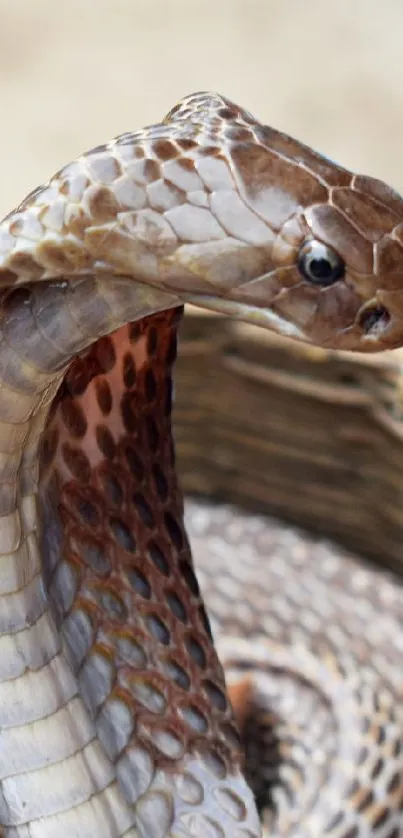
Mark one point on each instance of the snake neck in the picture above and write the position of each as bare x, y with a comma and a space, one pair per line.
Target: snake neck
117, 563
97, 589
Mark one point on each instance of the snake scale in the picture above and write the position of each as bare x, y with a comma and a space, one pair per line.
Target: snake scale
115, 719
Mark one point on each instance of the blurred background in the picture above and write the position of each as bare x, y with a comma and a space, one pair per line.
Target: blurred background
75, 74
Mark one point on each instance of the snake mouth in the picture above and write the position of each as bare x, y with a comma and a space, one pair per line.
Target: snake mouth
372, 330
264, 317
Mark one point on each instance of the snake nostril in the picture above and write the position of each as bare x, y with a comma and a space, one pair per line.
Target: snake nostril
374, 319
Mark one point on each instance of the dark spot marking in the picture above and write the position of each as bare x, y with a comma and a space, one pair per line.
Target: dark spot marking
151, 170
377, 768
138, 152
122, 534
194, 718
168, 396
210, 151
78, 377
241, 135
93, 554
158, 558
150, 385
112, 489
73, 418
226, 113
176, 606
145, 691
231, 735
103, 395
134, 332
86, 509
164, 149
394, 783
77, 462
158, 629
105, 441
135, 465
177, 674
113, 605
196, 651
139, 582
160, 481
205, 621
367, 800
185, 144
188, 575
186, 163
88, 513
334, 822
129, 370
143, 509
105, 353
152, 433
128, 411
215, 696
102, 205
381, 817
172, 349
152, 341
130, 650
173, 530
381, 735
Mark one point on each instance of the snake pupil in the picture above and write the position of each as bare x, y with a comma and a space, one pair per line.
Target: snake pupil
320, 268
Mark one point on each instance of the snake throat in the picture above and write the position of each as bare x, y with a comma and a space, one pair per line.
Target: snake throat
121, 566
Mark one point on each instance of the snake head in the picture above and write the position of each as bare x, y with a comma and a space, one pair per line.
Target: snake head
213, 208
330, 242
341, 269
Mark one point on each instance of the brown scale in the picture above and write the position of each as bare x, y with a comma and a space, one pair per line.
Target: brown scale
108, 467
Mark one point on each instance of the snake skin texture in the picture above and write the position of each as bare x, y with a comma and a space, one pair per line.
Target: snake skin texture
115, 718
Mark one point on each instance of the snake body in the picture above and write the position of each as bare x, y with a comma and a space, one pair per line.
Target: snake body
115, 719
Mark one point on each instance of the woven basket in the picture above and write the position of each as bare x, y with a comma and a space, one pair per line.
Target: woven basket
312, 436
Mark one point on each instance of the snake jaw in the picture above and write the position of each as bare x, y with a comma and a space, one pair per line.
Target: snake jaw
259, 316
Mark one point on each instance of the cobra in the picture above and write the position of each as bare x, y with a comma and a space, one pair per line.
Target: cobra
115, 719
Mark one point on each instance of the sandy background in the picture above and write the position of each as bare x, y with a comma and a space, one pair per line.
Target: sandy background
73, 74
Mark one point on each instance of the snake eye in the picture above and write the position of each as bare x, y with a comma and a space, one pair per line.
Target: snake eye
319, 264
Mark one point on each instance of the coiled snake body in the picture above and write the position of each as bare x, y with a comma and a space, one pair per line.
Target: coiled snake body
114, 714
